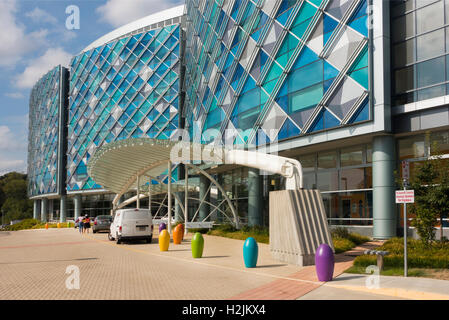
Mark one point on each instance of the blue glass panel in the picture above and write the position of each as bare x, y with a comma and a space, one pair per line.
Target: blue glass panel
318, 123
306, 76
329, 24
237, 75
306, 56
288, 130
329, 120
249, 84
360, 25
362, 114
329, 71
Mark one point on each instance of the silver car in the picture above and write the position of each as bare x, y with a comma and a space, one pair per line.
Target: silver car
102, 223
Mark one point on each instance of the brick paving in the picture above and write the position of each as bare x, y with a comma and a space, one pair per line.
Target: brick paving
33, 266
304, 281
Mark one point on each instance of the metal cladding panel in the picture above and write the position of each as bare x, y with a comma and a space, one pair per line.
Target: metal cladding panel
127, 88
43, 135
275, 70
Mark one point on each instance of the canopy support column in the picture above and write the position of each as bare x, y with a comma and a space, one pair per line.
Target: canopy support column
169, 197
138, 192
186, 197
149, 196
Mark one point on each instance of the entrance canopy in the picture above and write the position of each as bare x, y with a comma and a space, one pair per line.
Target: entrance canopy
118, 165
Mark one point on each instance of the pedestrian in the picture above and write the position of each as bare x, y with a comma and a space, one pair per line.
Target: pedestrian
86, 224
80, 223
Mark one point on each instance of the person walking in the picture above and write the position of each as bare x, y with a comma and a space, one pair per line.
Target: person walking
80, 224
86, 224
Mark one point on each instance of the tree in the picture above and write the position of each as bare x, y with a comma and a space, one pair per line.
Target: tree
431, 184
14, 202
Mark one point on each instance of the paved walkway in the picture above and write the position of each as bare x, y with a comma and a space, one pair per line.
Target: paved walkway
361, 287
33, 265
304, 281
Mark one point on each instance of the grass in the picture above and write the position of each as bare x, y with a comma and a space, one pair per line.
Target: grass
343, 240
35, 224
423, 261
412, 272
435, 256
260, 234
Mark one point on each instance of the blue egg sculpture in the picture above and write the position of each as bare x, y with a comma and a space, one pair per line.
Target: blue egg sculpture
324, 262
250, 252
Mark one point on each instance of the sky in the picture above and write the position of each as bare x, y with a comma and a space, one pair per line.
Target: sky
34, 38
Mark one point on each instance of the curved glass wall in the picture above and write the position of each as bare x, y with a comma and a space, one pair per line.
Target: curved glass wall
43, 135
273, 70
126, 88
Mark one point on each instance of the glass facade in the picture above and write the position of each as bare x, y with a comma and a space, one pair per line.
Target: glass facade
420, 43
417, 148
127, 88
285, 68
344, 177
44, 134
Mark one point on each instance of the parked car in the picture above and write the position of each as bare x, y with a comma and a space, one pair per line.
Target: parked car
131, 224
102, 223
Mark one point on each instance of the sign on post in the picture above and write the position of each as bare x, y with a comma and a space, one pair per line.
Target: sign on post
405, 196
405, 170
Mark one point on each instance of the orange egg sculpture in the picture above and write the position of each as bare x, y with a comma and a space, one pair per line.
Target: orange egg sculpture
182, 230
177, 234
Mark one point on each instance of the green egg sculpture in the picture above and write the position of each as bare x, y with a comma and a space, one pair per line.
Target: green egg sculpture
197, 245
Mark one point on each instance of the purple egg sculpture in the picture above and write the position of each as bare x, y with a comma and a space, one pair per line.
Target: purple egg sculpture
324, 262
162, 226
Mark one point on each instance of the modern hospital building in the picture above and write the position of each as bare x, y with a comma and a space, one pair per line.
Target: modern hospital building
350, 88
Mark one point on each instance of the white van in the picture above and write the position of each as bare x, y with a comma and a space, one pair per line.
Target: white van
131, 224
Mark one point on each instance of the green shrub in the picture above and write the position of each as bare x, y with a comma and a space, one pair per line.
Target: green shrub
260, 234
340, 232
24, 224
200, 230
342, 245
419, 255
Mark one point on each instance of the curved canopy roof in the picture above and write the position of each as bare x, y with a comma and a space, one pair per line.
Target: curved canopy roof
116, 164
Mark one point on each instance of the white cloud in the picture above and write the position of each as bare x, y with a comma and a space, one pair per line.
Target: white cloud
39, 15
36, 68
13, 148
15, 42
119, 12
14, 95
9, 142
12, 165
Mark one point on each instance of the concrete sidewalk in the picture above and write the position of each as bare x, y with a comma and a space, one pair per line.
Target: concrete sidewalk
363, 287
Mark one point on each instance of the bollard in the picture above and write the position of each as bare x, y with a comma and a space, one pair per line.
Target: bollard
162, 226
68, 224
177, 234
197, 245
58, 225
182, 227
164, 240
324, 262
250, 252
46, 226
